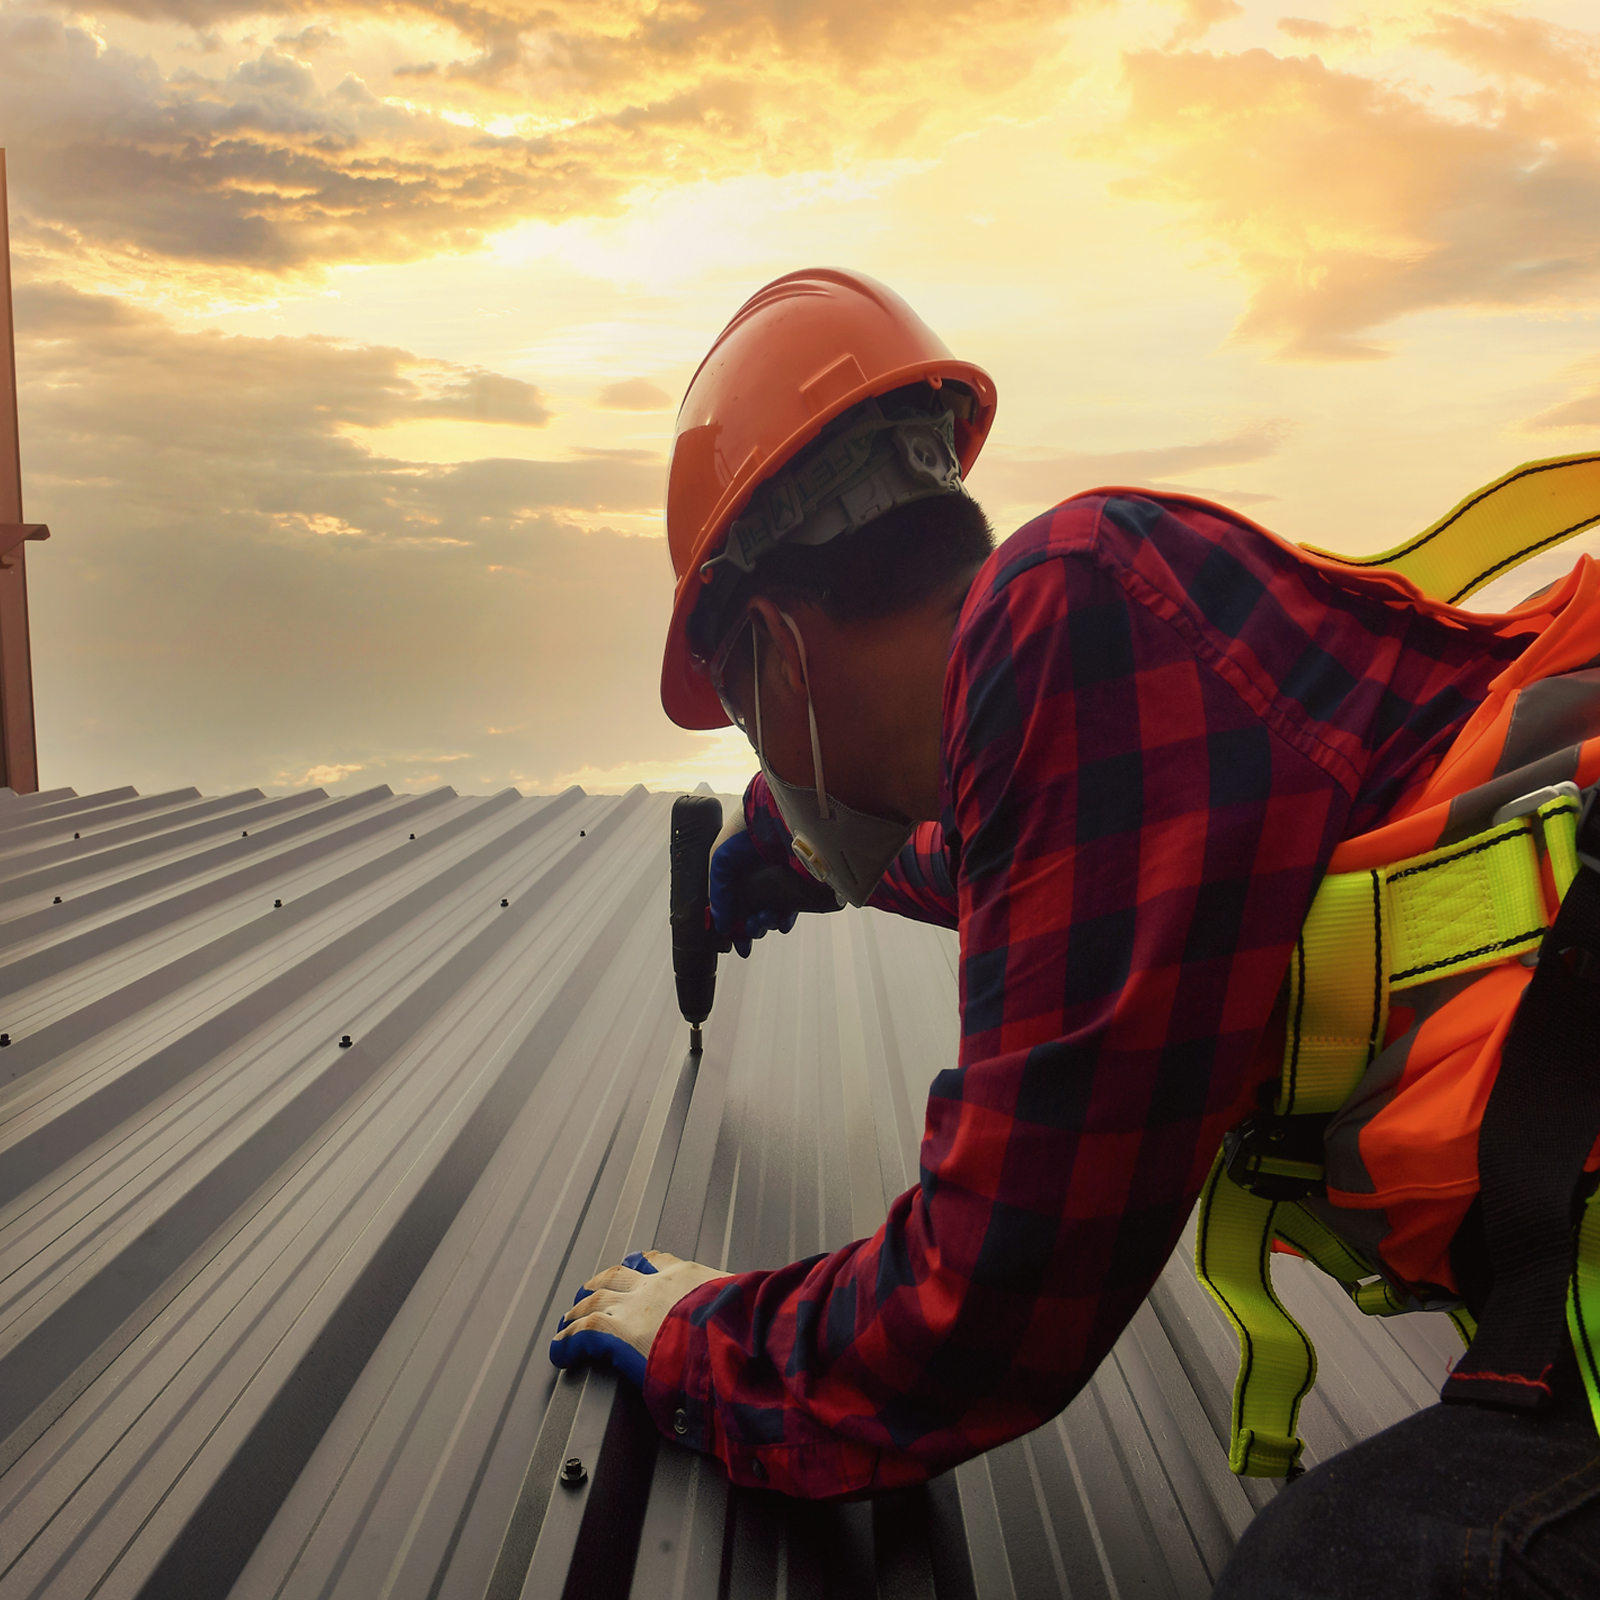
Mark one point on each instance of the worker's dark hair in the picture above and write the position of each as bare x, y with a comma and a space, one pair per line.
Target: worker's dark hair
891, 565
886, 567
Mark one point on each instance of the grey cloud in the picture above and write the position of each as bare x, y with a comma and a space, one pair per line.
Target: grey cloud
489, 397
268, 167
260, 168
297, 389
236, 589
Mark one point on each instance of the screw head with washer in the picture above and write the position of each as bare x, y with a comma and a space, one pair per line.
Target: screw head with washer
573, 1472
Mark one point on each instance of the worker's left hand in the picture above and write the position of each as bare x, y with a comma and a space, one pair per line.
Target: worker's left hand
750, 896
617, 1312
733, 864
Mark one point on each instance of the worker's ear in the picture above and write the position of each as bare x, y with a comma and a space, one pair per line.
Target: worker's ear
780, 654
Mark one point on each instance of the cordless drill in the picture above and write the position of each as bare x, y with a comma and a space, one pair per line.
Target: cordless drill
696, 944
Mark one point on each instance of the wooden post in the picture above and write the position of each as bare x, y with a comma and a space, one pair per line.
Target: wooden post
19, 757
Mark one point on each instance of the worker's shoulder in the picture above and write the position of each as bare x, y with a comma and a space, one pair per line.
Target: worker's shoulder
1164, 538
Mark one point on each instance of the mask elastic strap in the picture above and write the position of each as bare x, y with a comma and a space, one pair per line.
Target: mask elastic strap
811, 712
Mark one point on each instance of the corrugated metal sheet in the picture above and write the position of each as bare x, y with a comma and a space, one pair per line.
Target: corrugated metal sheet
273, 1309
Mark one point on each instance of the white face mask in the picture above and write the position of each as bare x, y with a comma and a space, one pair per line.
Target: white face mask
845, 849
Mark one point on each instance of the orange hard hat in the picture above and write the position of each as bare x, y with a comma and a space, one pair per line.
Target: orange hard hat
798, 353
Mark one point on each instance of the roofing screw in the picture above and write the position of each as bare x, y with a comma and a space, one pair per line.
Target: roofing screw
277, 905
56, 901
344, 1043
505, 902
75, 836
5, 1040
572, 1472
680, 1421
582, 834
244, 833
413, 836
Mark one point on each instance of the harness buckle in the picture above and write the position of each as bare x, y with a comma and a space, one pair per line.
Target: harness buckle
1526, 804
1277, 1158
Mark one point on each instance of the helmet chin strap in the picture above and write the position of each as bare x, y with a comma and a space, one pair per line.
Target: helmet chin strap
811, 711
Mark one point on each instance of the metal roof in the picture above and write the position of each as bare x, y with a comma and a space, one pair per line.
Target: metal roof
273, 1310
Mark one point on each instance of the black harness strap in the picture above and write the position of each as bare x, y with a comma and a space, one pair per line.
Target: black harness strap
1540, 1123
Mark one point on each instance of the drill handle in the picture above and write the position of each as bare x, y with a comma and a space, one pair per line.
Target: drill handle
696, 822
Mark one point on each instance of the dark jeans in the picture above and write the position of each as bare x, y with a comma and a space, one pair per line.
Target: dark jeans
1459, 1501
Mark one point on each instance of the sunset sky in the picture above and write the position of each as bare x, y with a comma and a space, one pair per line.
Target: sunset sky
350, 336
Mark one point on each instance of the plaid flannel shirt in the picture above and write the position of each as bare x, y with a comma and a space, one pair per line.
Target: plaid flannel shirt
1158, 722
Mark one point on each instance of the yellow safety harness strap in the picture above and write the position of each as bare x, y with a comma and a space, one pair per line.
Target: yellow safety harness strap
1466, 1324
1468, 905
1305, 1231
1338, 994
1277, 1364
1583, 1304
1532, 508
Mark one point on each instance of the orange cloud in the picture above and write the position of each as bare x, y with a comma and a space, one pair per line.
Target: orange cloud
1201, 16
1347, 203
1583, 410
634, 394
1042, 478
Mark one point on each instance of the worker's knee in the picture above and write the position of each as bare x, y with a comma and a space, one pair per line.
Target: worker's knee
1435, 1506
1328, 1538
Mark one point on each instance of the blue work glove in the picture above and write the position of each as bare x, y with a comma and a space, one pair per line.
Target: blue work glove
737, 917
599, 1349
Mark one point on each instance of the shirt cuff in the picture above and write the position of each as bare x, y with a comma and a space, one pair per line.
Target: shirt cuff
677, 1378
806, 1460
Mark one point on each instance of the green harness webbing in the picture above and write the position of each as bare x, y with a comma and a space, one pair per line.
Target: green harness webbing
1468, 905
1583, 1303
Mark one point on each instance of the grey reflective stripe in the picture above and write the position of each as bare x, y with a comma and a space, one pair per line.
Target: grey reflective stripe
1345, 1167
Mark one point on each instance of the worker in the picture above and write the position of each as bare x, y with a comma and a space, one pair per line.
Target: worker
1119, 752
